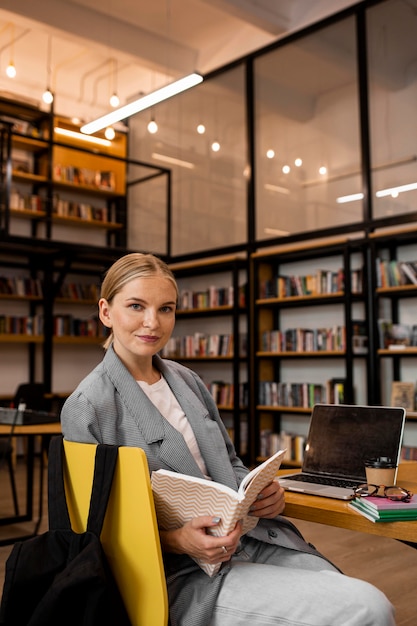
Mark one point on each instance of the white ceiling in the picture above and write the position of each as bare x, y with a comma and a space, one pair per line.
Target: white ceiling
134, 46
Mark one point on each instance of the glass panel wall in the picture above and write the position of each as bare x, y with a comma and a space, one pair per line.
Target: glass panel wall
208, 180
392, 53
307, 134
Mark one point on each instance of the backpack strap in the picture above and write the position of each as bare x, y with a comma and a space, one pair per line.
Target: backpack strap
105, 464
57, 505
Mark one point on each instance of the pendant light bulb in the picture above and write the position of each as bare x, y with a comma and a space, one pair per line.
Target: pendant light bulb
11, 70
201, 129
48, 96
109, 133
152, 127
114, 100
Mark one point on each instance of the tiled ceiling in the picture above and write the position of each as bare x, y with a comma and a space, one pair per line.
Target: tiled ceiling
85, 50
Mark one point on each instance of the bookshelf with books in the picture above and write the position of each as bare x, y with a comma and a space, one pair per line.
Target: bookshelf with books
210, 335
60, 187
21, 321
394, 258
309, 313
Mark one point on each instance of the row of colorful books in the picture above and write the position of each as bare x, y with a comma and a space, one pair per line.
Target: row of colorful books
21, 325
223, 393
81, 210
70, 326
199, 345
27, 202
21, 286
301, 395
79, 291
304, 339
320, 283
210, 298
271, 442
396, 273
84, 176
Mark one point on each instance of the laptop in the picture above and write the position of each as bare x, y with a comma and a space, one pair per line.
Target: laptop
341, 437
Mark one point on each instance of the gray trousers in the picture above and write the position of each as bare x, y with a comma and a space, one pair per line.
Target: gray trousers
272, 585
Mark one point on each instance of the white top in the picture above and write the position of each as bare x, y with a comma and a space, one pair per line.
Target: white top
161, 396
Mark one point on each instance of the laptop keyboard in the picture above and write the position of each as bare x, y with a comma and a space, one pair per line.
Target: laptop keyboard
325, 480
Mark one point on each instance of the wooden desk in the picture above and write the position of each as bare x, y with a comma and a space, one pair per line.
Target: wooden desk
337, 512
44, 431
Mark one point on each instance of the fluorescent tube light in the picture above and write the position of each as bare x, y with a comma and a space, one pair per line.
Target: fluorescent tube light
351, 198
172, 160
276, 231
79, 136
142, 103
276, 188
396, 190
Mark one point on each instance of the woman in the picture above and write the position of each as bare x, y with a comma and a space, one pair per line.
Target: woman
135, 398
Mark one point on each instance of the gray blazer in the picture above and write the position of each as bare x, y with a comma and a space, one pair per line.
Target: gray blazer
109, 407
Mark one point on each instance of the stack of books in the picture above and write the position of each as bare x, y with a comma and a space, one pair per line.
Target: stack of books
384, 510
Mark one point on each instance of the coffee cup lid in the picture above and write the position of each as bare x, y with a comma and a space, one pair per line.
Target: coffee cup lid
380, 462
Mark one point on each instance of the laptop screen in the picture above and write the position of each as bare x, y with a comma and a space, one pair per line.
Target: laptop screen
342, 437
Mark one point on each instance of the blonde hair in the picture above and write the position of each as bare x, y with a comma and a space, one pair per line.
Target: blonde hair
127, 268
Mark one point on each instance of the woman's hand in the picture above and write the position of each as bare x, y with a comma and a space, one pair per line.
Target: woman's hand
194, 539
270, 502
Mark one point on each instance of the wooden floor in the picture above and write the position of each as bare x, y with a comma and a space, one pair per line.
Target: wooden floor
388, 564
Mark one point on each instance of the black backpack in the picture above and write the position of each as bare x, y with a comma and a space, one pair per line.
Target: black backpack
62, 577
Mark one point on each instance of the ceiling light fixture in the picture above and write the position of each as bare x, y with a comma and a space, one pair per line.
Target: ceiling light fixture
110, 133
143, 103
172, 160
215, 146
48, 96
152, 127
114, 98
276, 188
201, 129
270, 153
72, 134
350, 198
10, 69
394, 191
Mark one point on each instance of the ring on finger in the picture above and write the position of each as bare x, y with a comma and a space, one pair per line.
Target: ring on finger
224, 549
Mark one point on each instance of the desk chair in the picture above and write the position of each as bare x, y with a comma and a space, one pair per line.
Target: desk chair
130, 535
32, 395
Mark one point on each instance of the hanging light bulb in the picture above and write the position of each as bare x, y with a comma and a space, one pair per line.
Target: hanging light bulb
110, 133
298, 162
201, 129
270, 154
48, 96
114, 100
286, 169
152, 127
11, 70
215, 146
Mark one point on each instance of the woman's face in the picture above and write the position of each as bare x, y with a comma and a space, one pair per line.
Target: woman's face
142, 317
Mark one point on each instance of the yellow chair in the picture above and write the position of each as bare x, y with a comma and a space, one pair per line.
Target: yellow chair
130, 535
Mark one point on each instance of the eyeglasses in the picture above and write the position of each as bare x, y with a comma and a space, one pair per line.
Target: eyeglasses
394, 493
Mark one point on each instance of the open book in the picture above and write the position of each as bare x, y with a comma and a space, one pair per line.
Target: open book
179, 497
